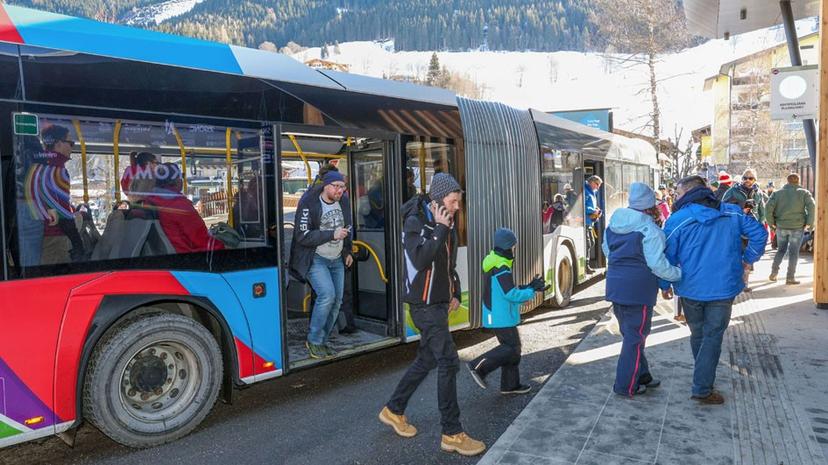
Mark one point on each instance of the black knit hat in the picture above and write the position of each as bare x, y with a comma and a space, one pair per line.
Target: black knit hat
443, 184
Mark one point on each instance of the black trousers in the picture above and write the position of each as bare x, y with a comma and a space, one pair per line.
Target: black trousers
436, 350
347, 309
506, 356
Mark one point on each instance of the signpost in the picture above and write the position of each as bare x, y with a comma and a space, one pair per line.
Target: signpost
794, 93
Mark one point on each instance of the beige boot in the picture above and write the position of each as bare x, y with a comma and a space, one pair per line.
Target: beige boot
398, 422
462, 444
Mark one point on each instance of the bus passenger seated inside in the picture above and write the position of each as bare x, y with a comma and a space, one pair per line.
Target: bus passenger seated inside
81, 196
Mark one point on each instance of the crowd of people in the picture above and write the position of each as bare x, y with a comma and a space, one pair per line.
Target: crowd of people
710, 239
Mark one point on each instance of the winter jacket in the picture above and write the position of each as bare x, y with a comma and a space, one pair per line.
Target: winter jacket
704, 239
181, 222
739, 194
501, 299
306, 233
721, 191
791, 207
634, 247
590, 204
430, 256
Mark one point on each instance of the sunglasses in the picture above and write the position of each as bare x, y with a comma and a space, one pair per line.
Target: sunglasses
748, 178
70, 142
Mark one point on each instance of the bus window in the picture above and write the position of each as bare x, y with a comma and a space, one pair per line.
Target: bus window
91, 189
426, 157
562, 199
615, 192
9, 72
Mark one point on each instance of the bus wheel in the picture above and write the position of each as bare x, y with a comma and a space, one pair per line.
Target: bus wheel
152, 379
564, 278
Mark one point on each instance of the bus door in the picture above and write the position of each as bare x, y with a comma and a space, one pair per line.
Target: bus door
365, 320
596, 258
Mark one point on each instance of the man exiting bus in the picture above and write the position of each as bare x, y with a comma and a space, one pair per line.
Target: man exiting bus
432, 290
592, 212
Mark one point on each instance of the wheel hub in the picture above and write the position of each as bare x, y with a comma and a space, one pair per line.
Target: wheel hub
148, 373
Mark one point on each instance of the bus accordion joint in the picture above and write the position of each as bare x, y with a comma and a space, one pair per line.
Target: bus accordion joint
376, 259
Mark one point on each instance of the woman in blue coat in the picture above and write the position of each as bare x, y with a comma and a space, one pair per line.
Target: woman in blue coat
634, 246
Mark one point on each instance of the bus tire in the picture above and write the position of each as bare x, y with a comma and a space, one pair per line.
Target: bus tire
564, 277
152, 379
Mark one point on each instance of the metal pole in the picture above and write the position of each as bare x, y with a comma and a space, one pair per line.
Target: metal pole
796, 60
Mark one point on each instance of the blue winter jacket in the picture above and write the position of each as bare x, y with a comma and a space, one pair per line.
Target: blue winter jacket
634, 246
501, 299
590, 204
706, 243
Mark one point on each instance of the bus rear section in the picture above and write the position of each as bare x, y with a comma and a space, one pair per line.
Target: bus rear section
169, 293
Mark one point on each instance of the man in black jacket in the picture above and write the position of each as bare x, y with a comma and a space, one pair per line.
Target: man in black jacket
321, 250
432, 290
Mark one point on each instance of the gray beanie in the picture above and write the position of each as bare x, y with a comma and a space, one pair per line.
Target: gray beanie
443, 184
641, 196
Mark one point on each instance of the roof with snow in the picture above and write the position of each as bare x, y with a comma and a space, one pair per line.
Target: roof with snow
50, 30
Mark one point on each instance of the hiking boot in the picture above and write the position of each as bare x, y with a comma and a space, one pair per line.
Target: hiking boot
316, 351
477, 377
641, 389
462, 444
680, 318
791, 281
520, 389
714, 398
348, 330
772, 276
330, 351
649, 381
398, 422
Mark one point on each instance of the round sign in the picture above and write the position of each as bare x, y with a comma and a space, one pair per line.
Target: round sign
793, 87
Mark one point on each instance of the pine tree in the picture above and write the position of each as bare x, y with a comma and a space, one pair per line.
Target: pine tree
433, 74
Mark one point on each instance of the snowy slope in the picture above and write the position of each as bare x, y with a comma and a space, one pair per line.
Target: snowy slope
573, 80
158, 13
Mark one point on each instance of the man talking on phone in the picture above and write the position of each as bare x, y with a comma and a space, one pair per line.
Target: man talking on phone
432, 290
322, 250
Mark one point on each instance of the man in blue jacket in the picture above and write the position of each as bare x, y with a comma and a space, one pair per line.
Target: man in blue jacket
704, 238
501, 313
634, 247
592, 212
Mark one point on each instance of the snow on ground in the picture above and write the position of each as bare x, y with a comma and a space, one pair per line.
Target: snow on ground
574, 80
158, 13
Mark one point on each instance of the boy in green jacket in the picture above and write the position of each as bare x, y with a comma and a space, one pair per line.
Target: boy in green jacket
501, 313
790, 212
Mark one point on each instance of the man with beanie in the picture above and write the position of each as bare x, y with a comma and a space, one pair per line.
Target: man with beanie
432, 290
321, 250
704, 239
634, 247
501, 313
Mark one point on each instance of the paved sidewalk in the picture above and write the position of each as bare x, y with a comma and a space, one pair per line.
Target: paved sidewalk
772, 373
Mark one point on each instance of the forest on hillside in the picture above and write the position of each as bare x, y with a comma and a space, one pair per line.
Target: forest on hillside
541, 25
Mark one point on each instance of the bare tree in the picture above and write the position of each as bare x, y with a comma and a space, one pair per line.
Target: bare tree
641, 31
683, 161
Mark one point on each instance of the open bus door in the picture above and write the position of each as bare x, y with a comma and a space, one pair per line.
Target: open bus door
369, 294
595, 258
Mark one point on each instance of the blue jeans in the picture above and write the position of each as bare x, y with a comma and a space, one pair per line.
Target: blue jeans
635, 322
327, 278
29, 234
787, 240
708, 322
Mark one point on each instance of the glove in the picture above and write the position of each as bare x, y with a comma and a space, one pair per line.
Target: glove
538, 284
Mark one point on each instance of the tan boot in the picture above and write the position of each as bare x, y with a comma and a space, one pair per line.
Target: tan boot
398, 422
462, 444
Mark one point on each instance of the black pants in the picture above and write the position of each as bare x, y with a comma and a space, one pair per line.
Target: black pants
506, 356
347, 308
436, 350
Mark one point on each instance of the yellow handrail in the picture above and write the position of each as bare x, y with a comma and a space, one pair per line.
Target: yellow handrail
229, 162
422, 160
305, 303
183, 150
82, 142
116, 136
376, 259
302, 156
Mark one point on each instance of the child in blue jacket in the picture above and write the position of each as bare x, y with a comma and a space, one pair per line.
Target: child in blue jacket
501, 313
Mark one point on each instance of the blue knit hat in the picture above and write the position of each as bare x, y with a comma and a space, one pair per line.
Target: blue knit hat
332, 177
504, 239
642, 196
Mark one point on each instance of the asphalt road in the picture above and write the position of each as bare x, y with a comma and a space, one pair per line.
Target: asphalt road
328, 415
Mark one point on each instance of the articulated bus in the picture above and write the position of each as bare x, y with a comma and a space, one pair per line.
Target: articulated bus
130, 330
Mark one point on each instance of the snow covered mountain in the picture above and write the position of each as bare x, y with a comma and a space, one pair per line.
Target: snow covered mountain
574, 80
151, 15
